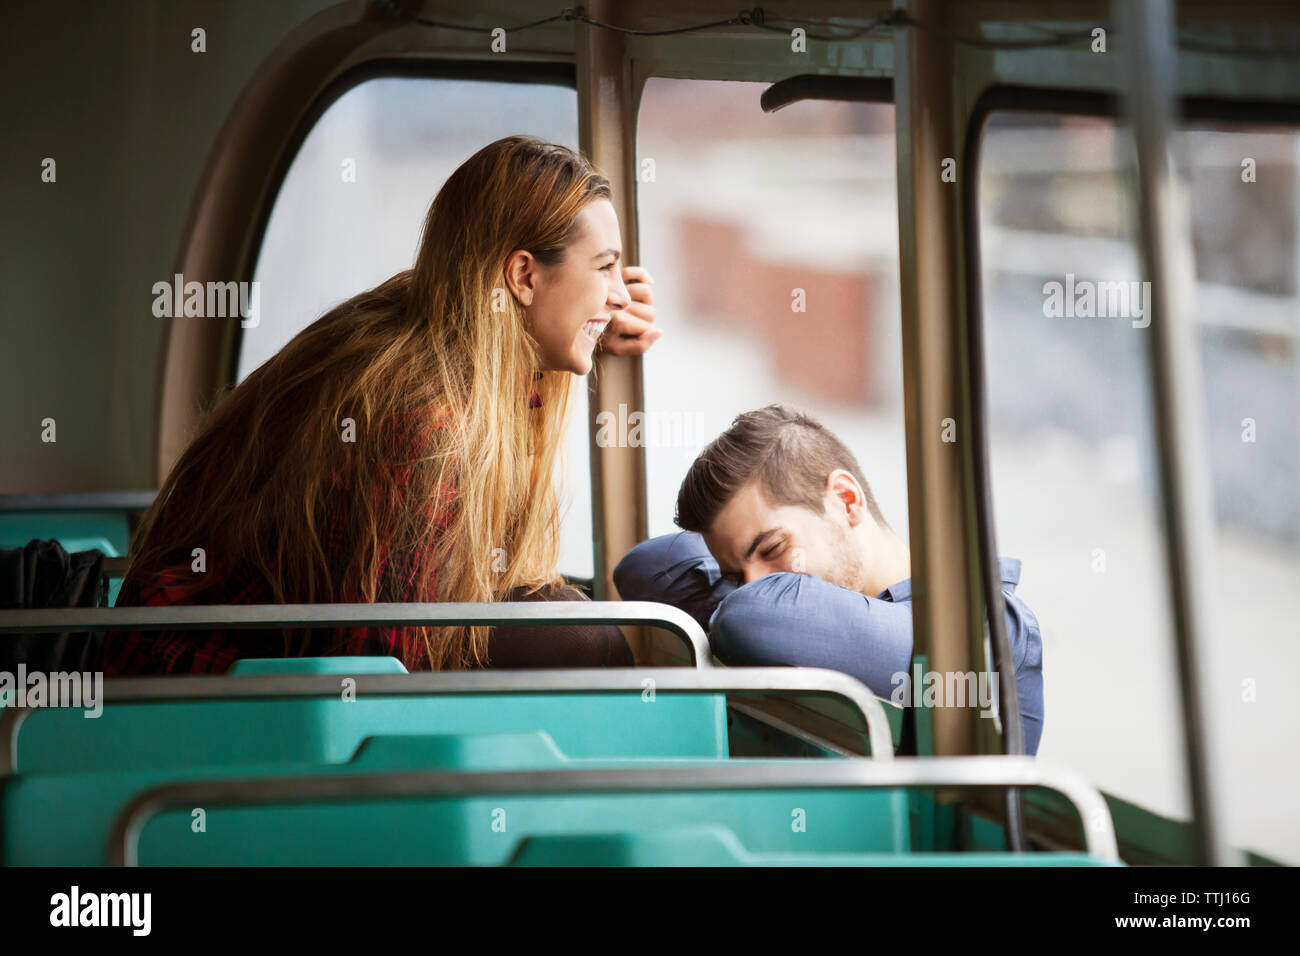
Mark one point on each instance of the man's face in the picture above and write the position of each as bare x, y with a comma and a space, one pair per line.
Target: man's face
752, 537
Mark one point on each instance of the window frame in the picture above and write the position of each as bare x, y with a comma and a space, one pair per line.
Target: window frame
822, 719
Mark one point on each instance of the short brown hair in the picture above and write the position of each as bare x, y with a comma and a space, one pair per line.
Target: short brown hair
790, 453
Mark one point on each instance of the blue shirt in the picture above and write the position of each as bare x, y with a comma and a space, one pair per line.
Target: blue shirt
798, 620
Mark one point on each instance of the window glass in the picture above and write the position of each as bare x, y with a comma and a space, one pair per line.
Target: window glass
1071, 446
773, 239
1245, 187
351, 207
1074, 462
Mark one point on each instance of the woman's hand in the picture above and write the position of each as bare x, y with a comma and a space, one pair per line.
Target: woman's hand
632, 331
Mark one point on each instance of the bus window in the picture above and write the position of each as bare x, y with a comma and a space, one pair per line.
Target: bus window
1071, 431
774, 243
350, 209
1245, 184
1076, 494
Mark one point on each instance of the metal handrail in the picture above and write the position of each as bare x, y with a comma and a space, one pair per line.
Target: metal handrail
929, 772
203, 617
750, 680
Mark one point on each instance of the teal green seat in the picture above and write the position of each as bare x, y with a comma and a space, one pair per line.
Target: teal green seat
64, 819
74, 775
718, 846
251, 666
106, 531
209, 733
489, 831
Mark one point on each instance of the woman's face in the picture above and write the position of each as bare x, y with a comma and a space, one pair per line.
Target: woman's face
568, 304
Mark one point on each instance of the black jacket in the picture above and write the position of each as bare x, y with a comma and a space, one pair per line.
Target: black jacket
44, 575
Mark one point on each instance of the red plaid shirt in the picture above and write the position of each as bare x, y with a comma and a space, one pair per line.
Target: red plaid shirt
213, 652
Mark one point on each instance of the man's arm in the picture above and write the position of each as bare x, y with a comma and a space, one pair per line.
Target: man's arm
674, 569
802, 621
797, 620
782, 619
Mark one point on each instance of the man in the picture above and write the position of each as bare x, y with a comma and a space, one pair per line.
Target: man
786, 559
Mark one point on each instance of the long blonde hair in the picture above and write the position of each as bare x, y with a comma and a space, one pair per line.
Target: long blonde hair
450, 476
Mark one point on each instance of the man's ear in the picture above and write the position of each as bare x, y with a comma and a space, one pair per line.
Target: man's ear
521, 276
846, 494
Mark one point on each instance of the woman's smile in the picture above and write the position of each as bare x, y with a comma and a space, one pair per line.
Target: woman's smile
592, 330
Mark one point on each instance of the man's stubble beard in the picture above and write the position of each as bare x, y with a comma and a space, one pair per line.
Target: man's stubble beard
848, 569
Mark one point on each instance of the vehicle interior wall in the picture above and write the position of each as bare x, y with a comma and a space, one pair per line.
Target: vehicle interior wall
138, 112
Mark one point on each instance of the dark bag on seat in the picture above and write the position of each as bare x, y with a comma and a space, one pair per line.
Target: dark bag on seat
43, 575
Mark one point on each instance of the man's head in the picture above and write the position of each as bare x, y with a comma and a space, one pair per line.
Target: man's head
777, 491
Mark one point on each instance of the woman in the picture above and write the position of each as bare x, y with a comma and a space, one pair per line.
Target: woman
402, 447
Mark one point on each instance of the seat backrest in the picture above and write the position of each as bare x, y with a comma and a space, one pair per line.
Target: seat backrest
492, 830
770, 806
106, 531
64, 819
203, 733
250, 666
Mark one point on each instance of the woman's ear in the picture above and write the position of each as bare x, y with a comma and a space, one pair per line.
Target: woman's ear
521, 276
